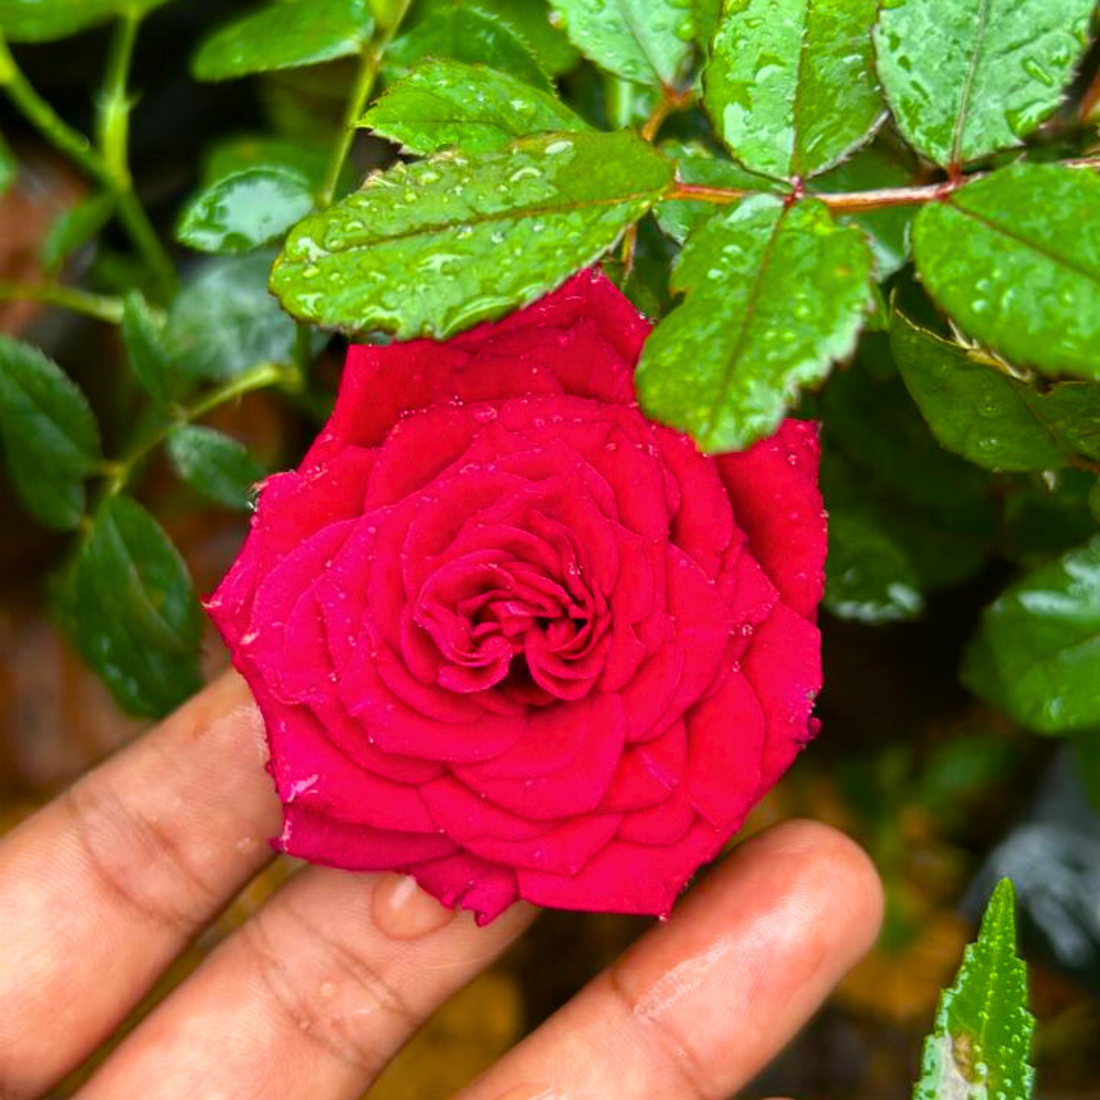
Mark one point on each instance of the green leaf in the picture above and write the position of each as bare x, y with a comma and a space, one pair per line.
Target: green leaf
224, 320
9, 167
775, 295
533, 21
981, 1040
143, 333
214, 464
428, 249
647, 41
75, 228
245, 210
285, 35
1014, 258
466, 34
242, 151
695, 163
790, 84
1044, 515
46, 20
131, 610
445, 103
979, 411
965, 78
50, 435
1037, 651
706, 17
871, 168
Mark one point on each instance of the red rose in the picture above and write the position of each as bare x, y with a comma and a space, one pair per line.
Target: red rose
516, 640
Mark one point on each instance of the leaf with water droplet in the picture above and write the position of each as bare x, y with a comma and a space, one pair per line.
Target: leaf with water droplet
790, 85
1014, 258
775, 294
981, 1041
1037, 651
646, 41
245, 210
284, 36
965, 78
47, 20
477, 109
431, 248
978, 410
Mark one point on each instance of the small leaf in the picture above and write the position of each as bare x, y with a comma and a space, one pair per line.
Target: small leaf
243, 151
697, 164
132, 611
981, 1040
146, 342
50, 435
790, 84
646, 41
224, 320
46, 20
466, 34
1014, 258
430, 248
1037, 651
968, 77
9, 167
75, 228
245, 210
284, 35
214, 464
445, 103
977, 410
775, 295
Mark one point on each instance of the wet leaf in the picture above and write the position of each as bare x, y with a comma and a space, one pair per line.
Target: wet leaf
284, 35
977, 410
51, 442
790, 84
981, 1040
466, 34
75, 228
965, 78
46, 20
1037, 651
647, 41
224, 320
471, 107
1014, 258
428, 249
245, 210
214, 464
147, 347
133, 613
774, 296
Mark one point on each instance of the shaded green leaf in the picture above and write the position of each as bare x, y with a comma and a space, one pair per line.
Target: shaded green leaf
434, 247
1014, 258
967, 77
245, 210
224, 320
242, 151
143, 333
214, 464
50, 435
466, 34
790, 84
775, 294
445, 103
647, 41
46, 20
1037, 651
9, 167
976, 409
75, 228
1044, 515
981, 1040
706, 16
695, 163
284, 35
133, 613
533, 21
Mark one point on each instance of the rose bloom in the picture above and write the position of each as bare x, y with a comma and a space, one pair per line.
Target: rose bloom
514, 639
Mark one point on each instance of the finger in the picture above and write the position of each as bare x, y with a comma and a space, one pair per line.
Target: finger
698, 1006
103, 887
311, 997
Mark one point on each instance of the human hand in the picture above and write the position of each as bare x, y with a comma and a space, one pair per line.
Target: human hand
318, 990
